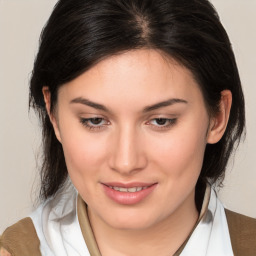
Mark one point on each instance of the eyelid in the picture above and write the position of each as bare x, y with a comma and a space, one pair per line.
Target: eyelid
170, 123
85, 122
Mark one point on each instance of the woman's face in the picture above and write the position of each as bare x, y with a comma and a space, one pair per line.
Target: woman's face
133, 130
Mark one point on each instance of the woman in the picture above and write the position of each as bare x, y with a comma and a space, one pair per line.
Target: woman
141, 105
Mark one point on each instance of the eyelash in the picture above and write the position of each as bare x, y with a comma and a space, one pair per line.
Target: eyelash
170, 122
85, 122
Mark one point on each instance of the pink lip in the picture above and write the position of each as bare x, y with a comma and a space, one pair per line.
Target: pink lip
127, 185
128, 198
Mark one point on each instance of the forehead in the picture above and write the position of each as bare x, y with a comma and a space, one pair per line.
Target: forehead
145, 76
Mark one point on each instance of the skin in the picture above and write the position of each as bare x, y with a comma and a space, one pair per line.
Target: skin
3, 252
131, 145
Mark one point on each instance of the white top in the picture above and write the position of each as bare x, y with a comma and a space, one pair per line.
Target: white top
57, 226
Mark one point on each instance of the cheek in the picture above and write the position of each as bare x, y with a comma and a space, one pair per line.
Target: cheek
84, 156
84, 152
181, 153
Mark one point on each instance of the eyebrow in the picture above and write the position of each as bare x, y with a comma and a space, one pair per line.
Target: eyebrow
165, 103
89, 103
158, 105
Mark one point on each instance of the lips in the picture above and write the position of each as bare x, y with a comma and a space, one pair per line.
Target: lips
128, 194
130, 190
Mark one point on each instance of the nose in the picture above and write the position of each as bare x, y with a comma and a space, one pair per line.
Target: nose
127, 155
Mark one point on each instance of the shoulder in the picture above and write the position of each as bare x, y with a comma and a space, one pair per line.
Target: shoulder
242, 233
20, 239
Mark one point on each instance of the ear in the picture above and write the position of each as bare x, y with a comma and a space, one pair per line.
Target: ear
219, 122
47, 99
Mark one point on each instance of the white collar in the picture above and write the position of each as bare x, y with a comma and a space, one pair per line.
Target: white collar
57, 225
211, 235
59, 232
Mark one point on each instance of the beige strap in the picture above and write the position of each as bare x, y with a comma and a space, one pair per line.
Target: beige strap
242, 231
20, 240
86, 228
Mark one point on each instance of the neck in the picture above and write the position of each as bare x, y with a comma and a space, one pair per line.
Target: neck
166, 236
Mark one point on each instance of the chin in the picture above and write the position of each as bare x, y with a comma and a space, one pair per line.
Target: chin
130, 220
131, 225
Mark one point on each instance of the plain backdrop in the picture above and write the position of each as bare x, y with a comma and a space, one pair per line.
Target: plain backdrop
21, 22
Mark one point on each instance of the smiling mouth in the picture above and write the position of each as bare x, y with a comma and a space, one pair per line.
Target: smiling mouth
130, 190
128, 194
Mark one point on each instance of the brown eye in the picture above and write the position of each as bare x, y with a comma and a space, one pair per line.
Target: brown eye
161, 121
96, 121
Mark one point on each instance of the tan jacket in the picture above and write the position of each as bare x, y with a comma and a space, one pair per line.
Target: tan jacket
21, 239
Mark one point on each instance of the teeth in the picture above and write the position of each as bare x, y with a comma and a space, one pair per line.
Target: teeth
131, 190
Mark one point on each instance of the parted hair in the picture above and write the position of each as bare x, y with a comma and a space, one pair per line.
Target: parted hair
80, 33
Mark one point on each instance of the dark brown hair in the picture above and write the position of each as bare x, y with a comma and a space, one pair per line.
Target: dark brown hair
80, 33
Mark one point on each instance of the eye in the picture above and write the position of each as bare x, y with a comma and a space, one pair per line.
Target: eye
162, 123
94, 123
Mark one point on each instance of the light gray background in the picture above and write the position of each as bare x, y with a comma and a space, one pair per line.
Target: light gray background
21, 22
